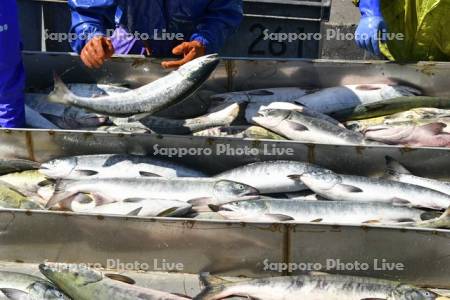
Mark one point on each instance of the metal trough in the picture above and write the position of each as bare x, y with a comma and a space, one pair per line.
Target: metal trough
422, 256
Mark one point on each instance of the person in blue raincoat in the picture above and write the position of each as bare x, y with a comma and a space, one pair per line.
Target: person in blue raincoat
187, 28
12, 74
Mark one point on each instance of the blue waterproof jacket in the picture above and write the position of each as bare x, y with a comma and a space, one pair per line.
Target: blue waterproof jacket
12, 74
209, 21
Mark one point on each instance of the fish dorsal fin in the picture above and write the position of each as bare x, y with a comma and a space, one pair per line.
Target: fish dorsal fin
348, 188
121, 278
15, 294
297, 126
280, 217
434, 128
261, 93
148, 174
209, 280
317, 220
85, 172
395, 167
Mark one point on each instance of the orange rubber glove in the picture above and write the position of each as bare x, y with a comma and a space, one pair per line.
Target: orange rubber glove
97, 51
189, 50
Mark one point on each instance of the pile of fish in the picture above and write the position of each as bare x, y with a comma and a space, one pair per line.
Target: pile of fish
366, 114
79, 282
273, 191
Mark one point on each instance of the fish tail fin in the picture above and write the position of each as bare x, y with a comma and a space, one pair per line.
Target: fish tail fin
213, 286
61, 193
395, 167
61, 92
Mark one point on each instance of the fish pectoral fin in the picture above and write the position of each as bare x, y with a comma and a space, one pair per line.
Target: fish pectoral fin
168, 212
400, 202
317, 220
371, 222
216, 208
434, 128
15, 294
295, 177
135, 212
204, 201
297, 126
85, 172
405, 220
280, 217
347, 188
209, 280
148, 174
430, 215
121, 278
46, 182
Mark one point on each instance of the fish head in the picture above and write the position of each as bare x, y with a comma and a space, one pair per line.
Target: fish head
198, 70
233, 189
272, 117
59, 168
45, 290
68, 276
406, 292
320, 179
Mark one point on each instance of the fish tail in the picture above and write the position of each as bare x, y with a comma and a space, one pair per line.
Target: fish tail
213, 286
61, 93
61, 193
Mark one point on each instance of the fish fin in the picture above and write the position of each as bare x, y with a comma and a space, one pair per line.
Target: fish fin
295, 177
133, 200
59, 194
404, 220
434, 128
61, 92
400, 202
348, 188
182, 295
121, 278
205, 201
214, 207
371, 222
280, 217
15, 294
209, 280
261, 93
429, 215
138, 117
213, 285
148, 174
296, 126
85, 172
135, 212
394, 166
168, 212
46, 182
317, 220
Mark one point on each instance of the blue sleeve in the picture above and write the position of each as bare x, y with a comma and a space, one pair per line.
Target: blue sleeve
90, 18
12, 74
221, 19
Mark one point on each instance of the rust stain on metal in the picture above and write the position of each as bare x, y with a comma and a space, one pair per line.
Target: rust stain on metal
406, 149
30, 146
28, 213
190, 224
229, 67
311, 153
360, 150
256, 143
100, 218
286, 247
210, 141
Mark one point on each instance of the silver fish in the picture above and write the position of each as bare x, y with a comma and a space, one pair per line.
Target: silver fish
398, 174
96, 90
183, 189
114, 165
253, 110
17, 165
314, 287
148, 99
338, 187
339, 98
82, 283
430, 135
223, 115
65, 117
18, 286
289, 94
143, 208
243, 132
269, 177
300, 127
35, 120
341, 212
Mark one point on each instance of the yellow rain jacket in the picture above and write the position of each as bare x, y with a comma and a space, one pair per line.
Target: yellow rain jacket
426, 28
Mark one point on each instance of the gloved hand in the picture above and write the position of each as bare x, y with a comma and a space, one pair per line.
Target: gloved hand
190, 51
97, 51
371, 25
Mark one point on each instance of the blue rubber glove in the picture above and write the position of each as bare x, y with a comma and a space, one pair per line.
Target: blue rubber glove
371, 25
